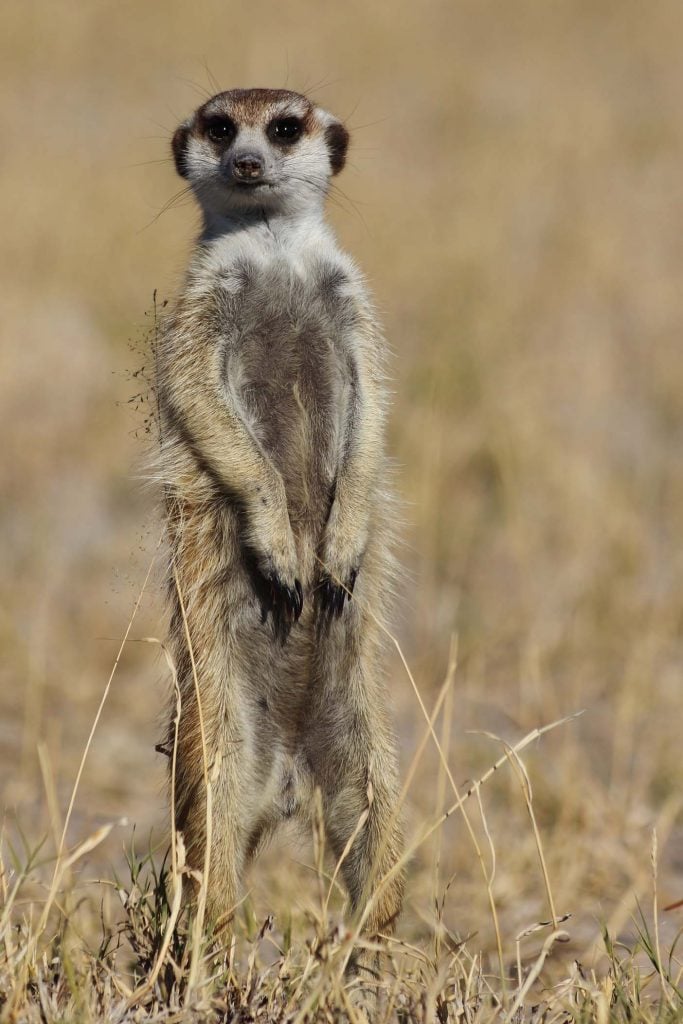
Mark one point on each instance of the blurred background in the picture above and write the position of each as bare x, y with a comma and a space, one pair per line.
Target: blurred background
514, 194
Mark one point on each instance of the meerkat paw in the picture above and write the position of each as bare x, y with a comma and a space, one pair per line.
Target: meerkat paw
332, 593
340, 564
284, 603
281, 595
277, 583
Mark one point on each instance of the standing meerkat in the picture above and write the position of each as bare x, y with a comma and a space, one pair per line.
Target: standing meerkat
272, 408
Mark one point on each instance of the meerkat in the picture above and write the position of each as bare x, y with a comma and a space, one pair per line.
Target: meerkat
272, 400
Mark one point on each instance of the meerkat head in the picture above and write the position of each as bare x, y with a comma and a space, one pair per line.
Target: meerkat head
266, 150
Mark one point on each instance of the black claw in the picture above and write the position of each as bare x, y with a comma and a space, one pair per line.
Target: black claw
284, 603
330, 597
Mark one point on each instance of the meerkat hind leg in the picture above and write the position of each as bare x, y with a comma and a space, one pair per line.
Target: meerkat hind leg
212, 745
352, 754
224, 829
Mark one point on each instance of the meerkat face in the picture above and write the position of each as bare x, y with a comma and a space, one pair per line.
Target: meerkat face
264, 150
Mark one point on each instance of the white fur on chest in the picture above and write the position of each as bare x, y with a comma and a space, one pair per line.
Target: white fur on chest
300, 248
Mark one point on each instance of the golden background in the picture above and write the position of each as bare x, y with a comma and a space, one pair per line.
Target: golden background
514, 194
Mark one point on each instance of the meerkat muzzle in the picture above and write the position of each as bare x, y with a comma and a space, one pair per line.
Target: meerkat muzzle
247, 167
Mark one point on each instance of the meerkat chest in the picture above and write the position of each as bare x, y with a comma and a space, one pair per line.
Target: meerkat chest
290, 359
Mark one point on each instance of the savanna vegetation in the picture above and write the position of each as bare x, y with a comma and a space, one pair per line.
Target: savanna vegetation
515, 196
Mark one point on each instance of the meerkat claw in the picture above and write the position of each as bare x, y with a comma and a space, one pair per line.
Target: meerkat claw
330, 596
285, 603
339, 599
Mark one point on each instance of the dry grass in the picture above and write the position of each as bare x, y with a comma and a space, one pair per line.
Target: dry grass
515, 197
72, 951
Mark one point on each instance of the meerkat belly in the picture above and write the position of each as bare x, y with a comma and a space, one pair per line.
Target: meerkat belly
290, 376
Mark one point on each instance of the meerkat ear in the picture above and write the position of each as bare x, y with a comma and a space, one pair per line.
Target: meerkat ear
337, 139
179, 147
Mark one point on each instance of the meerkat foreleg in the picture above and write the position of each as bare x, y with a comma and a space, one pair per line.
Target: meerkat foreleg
209, 420
347, 529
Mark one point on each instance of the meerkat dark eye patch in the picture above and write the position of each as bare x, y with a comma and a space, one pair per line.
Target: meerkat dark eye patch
220, 129
285, 129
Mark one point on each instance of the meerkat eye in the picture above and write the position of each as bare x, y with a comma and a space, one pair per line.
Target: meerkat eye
220, 129
285, 129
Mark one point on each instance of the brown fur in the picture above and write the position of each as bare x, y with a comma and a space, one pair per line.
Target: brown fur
272, 408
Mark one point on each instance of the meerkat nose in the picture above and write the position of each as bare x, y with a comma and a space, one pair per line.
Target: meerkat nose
247, 166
